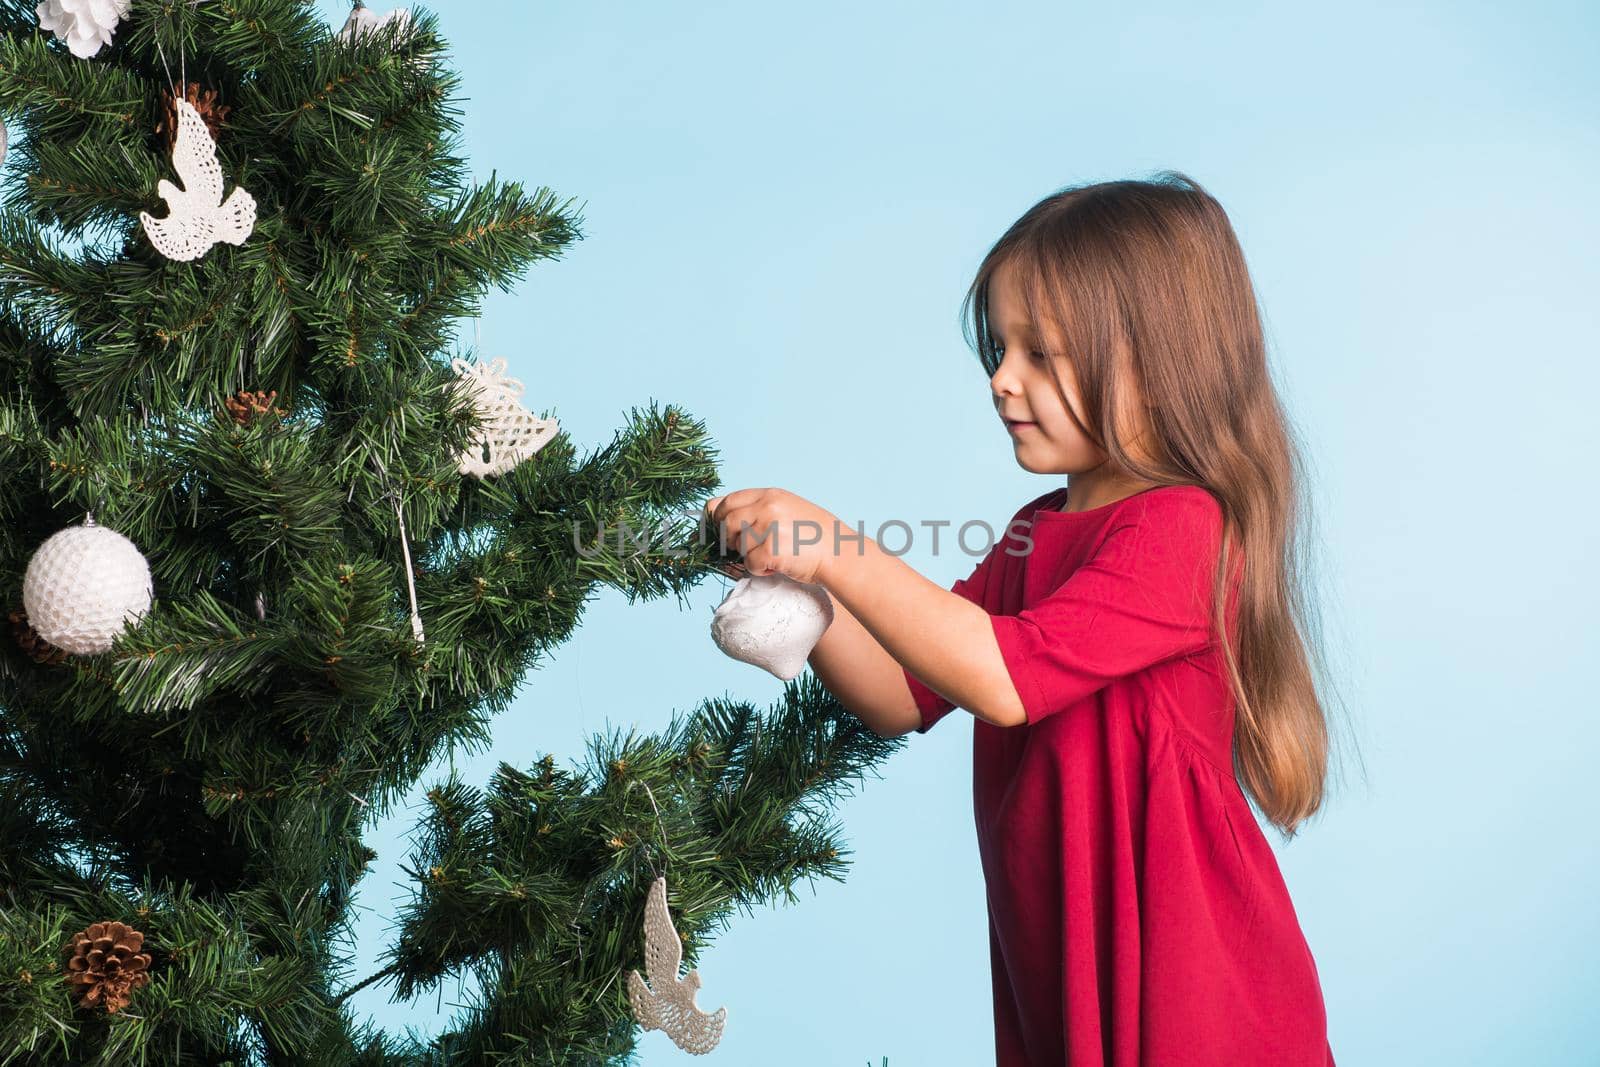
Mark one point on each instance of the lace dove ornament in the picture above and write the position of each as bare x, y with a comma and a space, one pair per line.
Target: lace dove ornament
510, 434
773, 622
197, 217
667, 1002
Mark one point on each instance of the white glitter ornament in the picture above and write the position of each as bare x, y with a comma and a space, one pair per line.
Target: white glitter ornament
773, 622
363, 22
83, 586
509, 434
197, 216
85, 25
667, 1003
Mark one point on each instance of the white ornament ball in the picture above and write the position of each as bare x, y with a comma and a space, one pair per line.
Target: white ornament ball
773, 622
83, 586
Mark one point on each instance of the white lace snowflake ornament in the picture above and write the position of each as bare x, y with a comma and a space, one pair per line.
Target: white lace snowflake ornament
510, 434
198, 217
667, 1002
86, 25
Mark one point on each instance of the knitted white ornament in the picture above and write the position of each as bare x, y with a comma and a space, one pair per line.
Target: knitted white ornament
667, 1003
85, 25
83, 586
198, 217
773, 622
509, 434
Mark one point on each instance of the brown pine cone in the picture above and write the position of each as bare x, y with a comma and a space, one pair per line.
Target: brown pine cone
206, 104
245, 406
106, 965
28, 638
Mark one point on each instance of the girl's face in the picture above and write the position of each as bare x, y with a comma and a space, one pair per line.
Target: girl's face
1050, 438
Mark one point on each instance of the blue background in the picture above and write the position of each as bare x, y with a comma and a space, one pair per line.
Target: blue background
783, 205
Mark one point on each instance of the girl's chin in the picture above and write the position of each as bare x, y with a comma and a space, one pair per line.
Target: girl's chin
1036, 464
1031, 443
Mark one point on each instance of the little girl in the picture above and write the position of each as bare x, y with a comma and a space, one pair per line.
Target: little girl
1137, 915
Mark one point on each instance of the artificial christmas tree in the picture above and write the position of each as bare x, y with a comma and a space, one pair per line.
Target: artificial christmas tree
272, 417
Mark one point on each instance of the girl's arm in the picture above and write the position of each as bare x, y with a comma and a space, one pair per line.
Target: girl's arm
895, 618
862, 676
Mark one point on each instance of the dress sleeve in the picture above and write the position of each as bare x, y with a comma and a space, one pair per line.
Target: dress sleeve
932, 705
1142, 598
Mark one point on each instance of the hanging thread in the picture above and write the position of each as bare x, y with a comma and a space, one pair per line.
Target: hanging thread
666, 846
405, 546
411, 585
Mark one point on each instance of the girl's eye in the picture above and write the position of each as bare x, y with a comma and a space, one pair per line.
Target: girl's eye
1033, 354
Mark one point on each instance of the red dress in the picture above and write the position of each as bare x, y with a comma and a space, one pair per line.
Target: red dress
1137, 915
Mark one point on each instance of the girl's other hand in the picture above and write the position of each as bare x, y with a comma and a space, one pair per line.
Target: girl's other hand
767, 528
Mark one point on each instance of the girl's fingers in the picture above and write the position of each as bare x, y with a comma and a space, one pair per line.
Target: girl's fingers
725, 526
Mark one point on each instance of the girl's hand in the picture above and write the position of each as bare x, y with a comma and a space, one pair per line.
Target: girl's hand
775, 531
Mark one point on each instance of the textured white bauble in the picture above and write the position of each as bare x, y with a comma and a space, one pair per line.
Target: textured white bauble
773, 622
83, 586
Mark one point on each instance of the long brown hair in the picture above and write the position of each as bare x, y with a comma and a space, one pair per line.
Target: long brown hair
1142, 287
